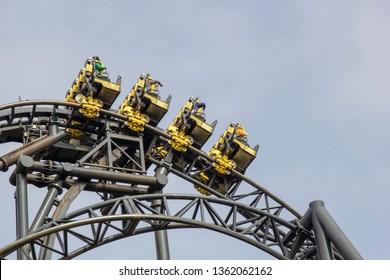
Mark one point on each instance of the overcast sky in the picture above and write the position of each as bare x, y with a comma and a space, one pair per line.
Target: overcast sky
309, 80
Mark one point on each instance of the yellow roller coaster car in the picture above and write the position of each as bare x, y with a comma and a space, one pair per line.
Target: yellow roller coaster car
143, 103
190, 127
93, 88
231, 151
234, 145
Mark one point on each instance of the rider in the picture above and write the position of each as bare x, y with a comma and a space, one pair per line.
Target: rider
99, 67
241, 133
151, 85
199, 107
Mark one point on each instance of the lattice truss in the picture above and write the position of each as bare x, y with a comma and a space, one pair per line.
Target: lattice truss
117, 218
116, 164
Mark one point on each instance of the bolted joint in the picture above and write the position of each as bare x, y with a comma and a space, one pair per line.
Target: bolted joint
161, 181
24, 164
160, 174
56, 186
3, 165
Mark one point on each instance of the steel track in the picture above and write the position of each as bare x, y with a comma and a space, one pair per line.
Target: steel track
248, 212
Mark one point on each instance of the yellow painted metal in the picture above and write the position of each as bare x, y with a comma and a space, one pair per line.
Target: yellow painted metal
230, 152
222, 163
233, 144
204, 179
188, 128
179, 141
74, 132
89, 106
108, 85
96, 88
144, 97
158, 102
161, 151
202, 190
131, 97
135, 120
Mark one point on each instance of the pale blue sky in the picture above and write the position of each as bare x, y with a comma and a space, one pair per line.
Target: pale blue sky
309, 80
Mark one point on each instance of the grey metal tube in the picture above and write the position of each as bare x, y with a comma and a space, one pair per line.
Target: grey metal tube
161, 173
29, 149
334, 232
161, 236
68, 169
95, 186
305, 224
60, 211
162, 245
21, 210
45, 208
53, 129
192, 180
113, 188
193, 223
321, 240
89, 173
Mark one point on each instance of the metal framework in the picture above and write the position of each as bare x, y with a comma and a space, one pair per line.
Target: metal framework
116, 164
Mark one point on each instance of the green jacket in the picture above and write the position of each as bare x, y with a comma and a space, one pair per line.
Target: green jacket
99, 66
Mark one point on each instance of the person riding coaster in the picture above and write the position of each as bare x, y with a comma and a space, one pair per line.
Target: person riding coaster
231, 151
192, 123
144, 102
93, 90
93, 83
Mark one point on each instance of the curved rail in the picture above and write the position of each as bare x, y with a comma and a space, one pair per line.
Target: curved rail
113, 115
264, 211
194, 211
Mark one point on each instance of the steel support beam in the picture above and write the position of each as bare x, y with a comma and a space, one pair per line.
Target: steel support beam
333, 232
104, 219
162, 244
53, 191
30, 149
161, 236
21, 198
58, 214
300, 234
68, 169
323, 244
327, 234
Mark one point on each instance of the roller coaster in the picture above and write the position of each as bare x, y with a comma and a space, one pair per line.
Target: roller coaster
84, 145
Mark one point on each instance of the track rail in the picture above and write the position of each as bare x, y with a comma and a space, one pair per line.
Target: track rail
249, 211
176, 211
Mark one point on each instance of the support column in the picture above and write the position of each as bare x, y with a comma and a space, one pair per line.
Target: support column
305, 226
161, 236
323, 244
21, 198
53, 191
333, 232
30, 149
161, 240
